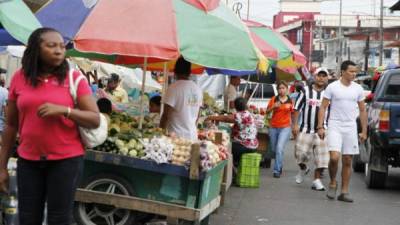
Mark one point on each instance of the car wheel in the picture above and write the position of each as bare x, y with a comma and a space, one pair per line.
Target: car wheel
99, 214
376, 179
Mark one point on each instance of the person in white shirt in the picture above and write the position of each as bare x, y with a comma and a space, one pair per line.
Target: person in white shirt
182, 103
346, 101
230, 94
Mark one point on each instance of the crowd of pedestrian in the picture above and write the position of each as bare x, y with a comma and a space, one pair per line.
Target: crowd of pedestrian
322, 119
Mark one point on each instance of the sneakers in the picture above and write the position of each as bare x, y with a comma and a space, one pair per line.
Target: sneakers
301, 174
317, 185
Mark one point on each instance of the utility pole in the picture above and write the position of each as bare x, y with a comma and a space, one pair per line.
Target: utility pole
366, 53
248, 9
381, 36
320, 41
340, 39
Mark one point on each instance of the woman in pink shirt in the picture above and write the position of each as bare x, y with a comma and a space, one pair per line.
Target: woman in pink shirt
41, 110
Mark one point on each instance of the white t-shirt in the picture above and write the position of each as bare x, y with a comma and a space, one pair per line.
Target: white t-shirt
344, 101
230, 95
185, 97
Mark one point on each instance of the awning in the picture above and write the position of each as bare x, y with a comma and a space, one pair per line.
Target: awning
395, 7
394, 44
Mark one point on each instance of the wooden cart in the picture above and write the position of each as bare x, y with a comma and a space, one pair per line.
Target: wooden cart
117, 189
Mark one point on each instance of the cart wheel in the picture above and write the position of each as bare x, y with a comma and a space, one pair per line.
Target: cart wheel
99, 214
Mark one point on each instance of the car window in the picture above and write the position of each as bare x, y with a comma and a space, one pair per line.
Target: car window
393, 87
262, 90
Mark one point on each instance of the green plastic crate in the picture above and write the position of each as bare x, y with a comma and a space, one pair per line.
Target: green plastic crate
249, 170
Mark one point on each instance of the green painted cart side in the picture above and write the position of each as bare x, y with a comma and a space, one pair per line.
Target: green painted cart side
165, 189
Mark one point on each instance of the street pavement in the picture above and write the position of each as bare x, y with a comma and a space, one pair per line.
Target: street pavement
283, 202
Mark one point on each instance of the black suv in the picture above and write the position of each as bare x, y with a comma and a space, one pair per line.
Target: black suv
382, 148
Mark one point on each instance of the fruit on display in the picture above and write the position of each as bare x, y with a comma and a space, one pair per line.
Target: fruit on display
182, 151
222, 152
210, 136
132, 147
158, 149
151, 144
210, 106
209, 155
125, 124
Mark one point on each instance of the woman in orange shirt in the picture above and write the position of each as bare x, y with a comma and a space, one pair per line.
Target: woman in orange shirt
279, 132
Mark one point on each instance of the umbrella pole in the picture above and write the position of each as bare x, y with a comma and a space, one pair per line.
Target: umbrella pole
165, 87
245, 88
142, 97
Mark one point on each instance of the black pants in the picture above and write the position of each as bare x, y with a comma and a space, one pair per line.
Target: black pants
238, 150
54, 182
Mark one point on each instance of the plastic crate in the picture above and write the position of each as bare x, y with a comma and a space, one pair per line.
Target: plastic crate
249, 170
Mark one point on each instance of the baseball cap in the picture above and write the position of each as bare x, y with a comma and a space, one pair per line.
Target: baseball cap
321, 70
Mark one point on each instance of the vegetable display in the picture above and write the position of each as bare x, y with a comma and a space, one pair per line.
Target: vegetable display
182, 151
158, 149
150, 143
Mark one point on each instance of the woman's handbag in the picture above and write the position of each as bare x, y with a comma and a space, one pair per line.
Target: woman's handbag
268, 116
90, 137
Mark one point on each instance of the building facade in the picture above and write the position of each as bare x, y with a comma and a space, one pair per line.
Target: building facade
316, 34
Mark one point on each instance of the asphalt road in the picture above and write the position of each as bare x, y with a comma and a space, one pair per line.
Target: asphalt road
283, 202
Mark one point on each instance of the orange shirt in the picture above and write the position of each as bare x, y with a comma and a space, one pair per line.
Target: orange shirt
281, 117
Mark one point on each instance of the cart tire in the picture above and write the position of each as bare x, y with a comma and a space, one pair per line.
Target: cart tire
98, 214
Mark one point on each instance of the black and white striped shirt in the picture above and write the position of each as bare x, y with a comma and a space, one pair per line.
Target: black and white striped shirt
309, 101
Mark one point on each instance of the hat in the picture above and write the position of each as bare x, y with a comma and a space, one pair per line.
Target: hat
114, 78
321, 70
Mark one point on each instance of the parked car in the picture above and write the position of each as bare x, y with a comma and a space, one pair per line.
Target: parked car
262, 93
382, 148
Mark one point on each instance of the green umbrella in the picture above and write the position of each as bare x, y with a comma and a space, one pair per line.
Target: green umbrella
17, 19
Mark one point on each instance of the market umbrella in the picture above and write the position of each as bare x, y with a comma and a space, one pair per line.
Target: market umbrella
125, 32
130, 32
17, 22
278, 49
289, 58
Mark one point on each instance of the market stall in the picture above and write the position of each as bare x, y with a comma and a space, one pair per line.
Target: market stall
134, 173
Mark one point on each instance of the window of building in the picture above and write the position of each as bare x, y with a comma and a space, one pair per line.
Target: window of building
387, 53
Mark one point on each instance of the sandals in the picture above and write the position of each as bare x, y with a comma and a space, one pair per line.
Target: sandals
345, 197
331, 194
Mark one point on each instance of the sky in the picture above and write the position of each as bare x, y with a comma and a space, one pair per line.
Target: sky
263, 10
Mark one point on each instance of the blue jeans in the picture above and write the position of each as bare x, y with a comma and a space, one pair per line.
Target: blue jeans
279, 137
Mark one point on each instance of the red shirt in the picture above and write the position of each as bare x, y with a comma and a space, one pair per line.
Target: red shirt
53, 137
281, 117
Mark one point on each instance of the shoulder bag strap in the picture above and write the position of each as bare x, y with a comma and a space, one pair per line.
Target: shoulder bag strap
73, 85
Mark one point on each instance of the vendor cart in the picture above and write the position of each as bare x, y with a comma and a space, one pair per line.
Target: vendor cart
116, 189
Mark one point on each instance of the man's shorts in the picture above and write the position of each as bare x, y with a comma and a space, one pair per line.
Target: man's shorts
343, 138
308, 144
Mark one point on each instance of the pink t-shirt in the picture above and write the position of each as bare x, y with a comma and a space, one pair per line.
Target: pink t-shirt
53, 137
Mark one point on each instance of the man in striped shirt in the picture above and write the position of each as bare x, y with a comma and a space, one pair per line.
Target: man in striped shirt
305, 132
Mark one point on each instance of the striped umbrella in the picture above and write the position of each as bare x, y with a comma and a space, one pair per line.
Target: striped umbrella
17, 22
288, 57
204, 32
